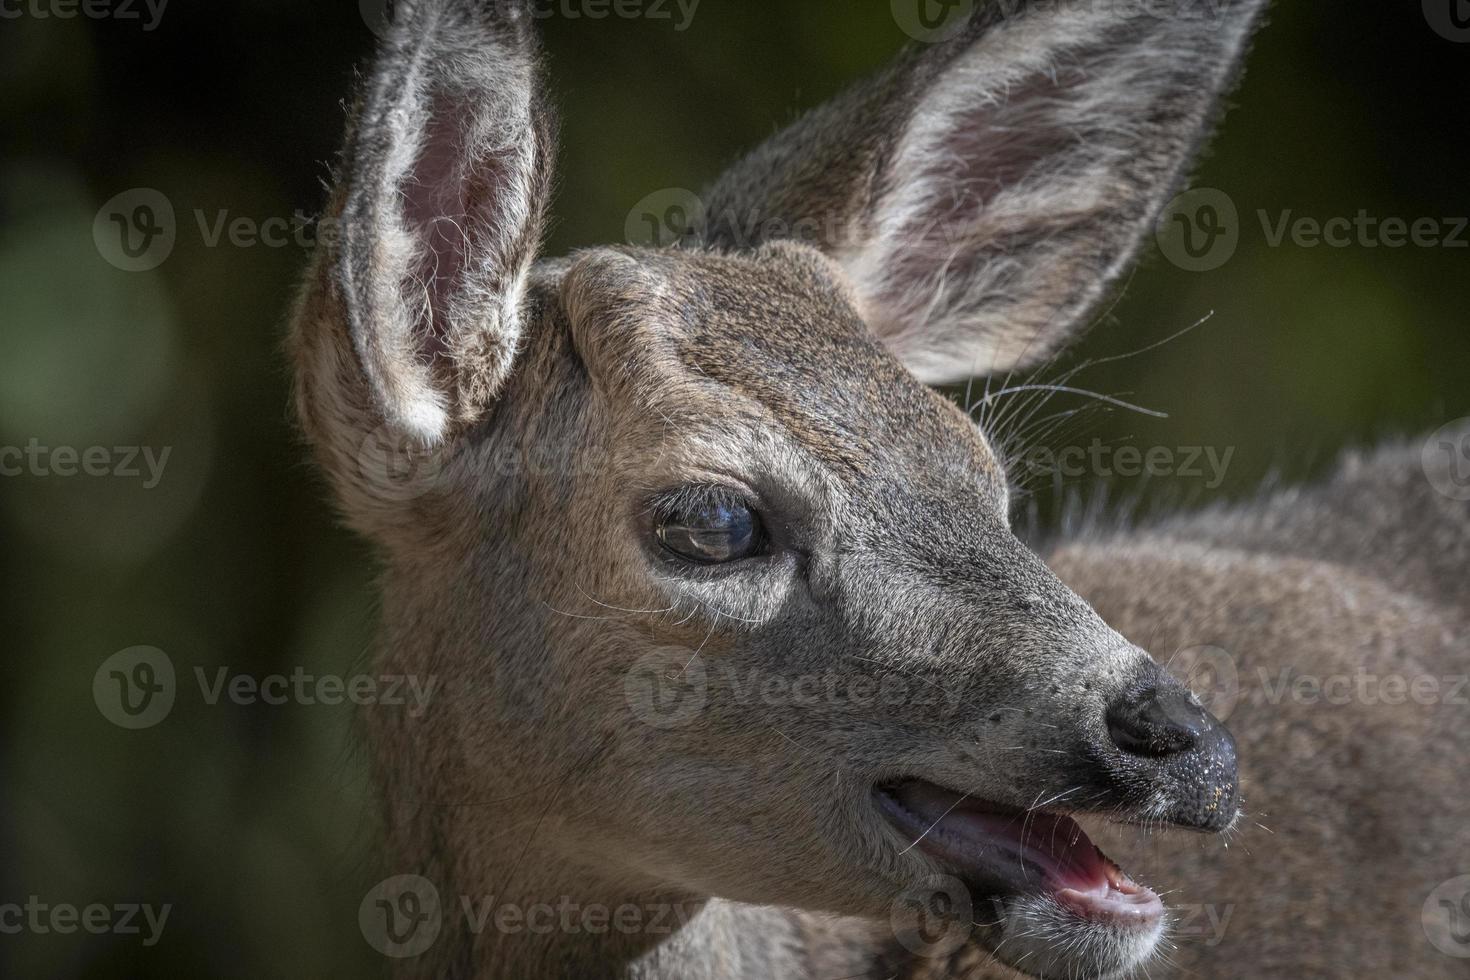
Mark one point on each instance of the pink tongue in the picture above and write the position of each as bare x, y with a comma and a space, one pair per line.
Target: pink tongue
1052, 842
1055, 843
1071, 868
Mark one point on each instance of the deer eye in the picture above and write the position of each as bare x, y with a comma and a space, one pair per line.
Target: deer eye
708, 525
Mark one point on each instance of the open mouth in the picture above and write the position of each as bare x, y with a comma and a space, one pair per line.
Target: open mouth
1003, 851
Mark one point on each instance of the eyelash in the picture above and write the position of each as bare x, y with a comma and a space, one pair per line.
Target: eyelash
689, 497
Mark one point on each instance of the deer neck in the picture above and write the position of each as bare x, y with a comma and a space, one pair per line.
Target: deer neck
540, 917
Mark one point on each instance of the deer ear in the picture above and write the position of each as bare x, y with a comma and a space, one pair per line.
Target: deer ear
985, 193
445, 183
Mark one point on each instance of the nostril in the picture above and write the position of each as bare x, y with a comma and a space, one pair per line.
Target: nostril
1158, 723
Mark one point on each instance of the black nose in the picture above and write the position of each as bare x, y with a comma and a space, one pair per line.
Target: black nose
1162, 725
1157, 722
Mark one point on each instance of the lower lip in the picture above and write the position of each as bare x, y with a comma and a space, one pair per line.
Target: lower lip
1139, 909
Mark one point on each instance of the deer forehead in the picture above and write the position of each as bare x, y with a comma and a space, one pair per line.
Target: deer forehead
775, 339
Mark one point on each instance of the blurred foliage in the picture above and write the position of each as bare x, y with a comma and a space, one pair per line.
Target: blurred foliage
252, 820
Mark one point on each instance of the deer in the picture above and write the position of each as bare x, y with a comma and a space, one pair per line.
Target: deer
721, 592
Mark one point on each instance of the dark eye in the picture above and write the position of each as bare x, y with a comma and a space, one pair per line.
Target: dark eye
708, 525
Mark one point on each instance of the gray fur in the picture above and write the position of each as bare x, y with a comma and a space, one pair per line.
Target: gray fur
538, 409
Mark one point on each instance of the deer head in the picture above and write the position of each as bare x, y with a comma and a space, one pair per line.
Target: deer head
718, 470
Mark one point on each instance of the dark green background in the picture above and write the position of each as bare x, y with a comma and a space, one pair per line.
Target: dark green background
253, 820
